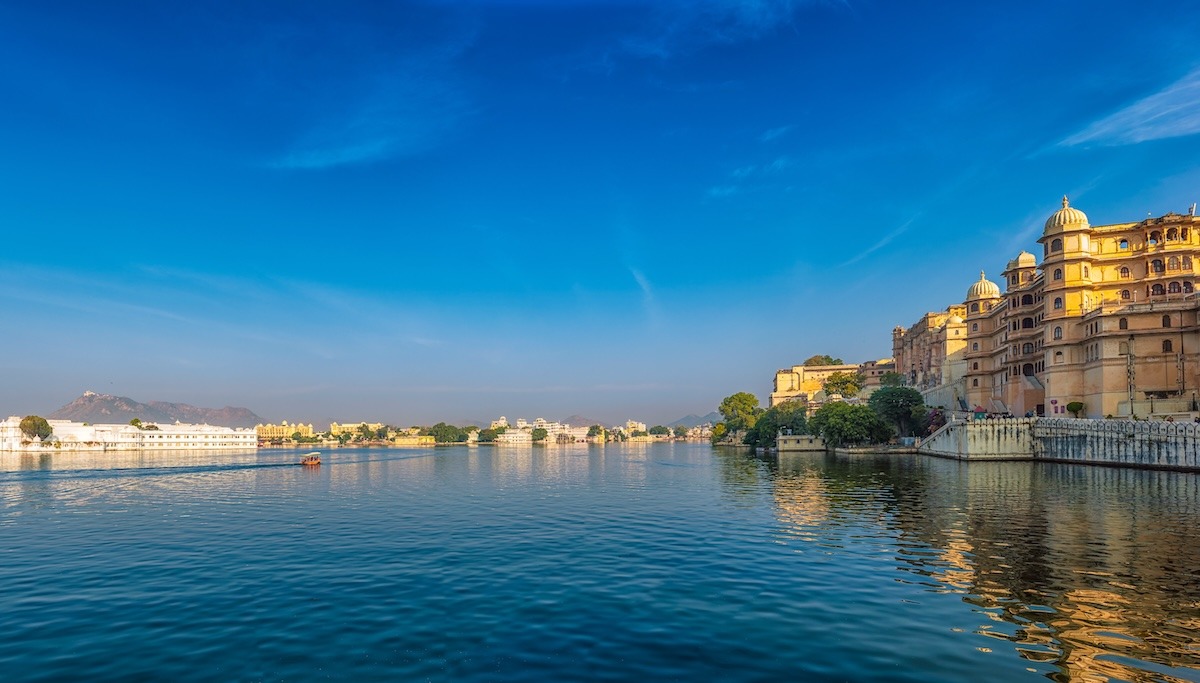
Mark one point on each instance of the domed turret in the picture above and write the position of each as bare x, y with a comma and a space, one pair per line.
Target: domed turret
983, 289
1028, 260
1066, 218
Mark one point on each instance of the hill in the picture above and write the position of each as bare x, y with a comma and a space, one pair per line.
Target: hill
697, 420
106, 408
581, 421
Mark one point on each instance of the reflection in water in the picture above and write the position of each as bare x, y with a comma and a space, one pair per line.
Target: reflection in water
1090, 574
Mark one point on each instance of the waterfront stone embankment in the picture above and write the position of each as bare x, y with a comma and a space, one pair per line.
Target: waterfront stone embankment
1157, 444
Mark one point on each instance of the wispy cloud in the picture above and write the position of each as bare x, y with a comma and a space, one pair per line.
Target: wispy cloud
883, 241
683, 26
402, 116
774, 133
1171, 112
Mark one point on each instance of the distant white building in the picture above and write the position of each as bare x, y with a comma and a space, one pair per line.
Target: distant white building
78, 436
515, 437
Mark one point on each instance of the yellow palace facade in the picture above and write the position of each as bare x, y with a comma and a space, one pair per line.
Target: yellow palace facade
1109, 319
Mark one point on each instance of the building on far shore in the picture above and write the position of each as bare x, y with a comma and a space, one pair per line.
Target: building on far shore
78, 436
354, 428
1109, 319
803, 382
283, 431
930, 356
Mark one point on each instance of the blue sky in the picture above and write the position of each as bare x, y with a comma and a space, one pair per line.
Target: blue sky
422, 211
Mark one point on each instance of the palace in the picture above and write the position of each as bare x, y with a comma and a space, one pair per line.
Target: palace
1109, 320
81, 436
283, 431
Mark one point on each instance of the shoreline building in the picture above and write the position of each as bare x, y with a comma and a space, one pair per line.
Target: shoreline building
930, 355
803, 381
1108, 319
282, 430
82, 437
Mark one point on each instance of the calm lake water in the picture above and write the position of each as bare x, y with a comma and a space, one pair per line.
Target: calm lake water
657, 562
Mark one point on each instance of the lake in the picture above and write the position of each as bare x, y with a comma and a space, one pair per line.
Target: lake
634, 562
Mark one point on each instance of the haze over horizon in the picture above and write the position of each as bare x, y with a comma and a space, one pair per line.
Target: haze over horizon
420, 211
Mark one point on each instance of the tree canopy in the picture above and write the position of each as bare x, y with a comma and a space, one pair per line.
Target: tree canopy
788, 416
843, 383
891, 378
660, 430
842, 424
444, 433
35, 425
740, 411
896, 405
595, 430
540, 433
822, 359
681, 431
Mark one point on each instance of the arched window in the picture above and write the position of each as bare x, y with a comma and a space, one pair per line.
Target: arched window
1027, 347
975, 366
1156, 266
1058, 333
1174, 288
1056, 245
1058, 273
975, 346
1027, 323
1123, 324
1173, 263
1085, 272
1124, 293
1027, 369
1057, 302
975, 382
1125, 271
974, 308
1027, 300
1158, 290
974, 327
1172, 234
1058, 357
1155, 237
1187, 288
1124, 244
1167, 346
1187, 262
1166, 321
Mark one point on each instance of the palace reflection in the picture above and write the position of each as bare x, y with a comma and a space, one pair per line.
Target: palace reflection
1089, 572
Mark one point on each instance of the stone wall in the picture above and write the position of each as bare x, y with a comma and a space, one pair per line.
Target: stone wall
1158, 444
992, 439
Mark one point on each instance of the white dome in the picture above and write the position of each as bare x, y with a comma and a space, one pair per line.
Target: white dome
983, 289
1066, 217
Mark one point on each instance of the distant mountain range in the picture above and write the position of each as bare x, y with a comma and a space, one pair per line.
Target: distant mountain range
581, 421
108, 409
697, 420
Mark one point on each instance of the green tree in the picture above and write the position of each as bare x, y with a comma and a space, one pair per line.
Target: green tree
444, 433
892, 379
638, 432
1076, 407
843, 383
719, 431
35, 425
895, 405
659, 430
681, 431
595, 430
788, 416
740, 411
540, 434
296, 436
842, 424
136, 422
489, 435
381, 433
822, 359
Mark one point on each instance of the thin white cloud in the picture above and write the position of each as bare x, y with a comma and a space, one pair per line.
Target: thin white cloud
774, 133
1169, 113
883, 241
683, 26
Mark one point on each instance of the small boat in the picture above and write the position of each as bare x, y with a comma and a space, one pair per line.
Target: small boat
313, 458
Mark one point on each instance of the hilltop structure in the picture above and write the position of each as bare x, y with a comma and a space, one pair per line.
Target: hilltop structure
1108, 319
806, 382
